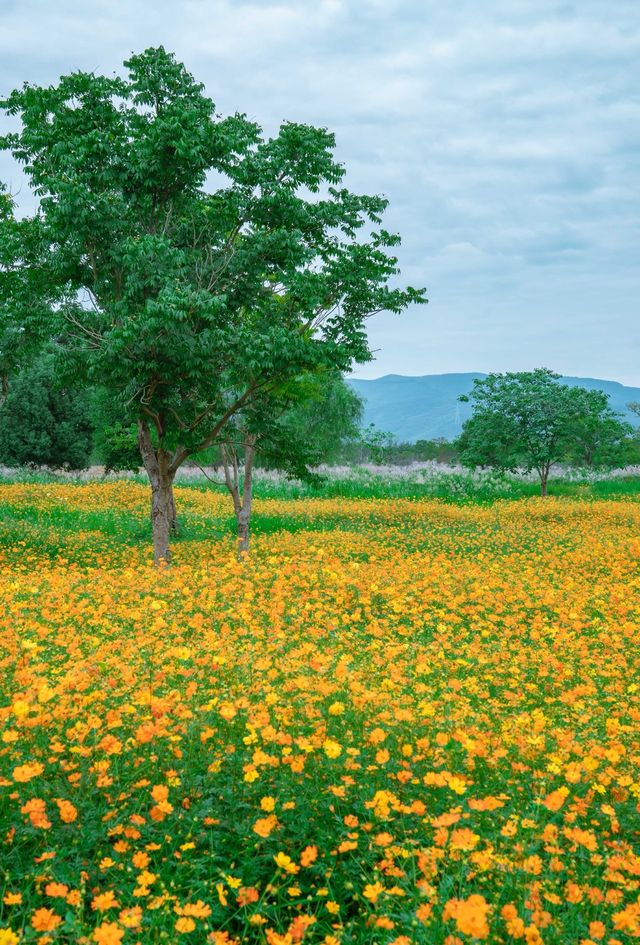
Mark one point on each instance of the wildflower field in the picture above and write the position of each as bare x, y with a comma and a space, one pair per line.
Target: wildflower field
400, 721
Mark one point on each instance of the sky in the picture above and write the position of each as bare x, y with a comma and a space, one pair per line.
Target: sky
505, 134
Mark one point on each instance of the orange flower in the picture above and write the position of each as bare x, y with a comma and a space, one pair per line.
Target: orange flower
247, 895
199, 909
470, 915
67, 811
26, 772
45, 920
131, 918
265, 825
108, 933
104, 901
556, 799
463, 839
299, 926
56, 890
37, 811
308, 856
12, 899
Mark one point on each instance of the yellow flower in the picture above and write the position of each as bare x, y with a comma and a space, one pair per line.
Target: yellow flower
285, 863
373, 891
222, 895
332, 749
7, 937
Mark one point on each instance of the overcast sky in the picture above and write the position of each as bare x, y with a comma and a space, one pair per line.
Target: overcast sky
505, 133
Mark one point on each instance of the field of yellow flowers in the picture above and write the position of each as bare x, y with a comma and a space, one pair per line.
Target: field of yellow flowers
400, 721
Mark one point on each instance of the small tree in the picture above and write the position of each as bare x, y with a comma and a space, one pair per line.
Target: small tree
44, 424
598, 438
377, 443
529, 421
303, 425
188, 303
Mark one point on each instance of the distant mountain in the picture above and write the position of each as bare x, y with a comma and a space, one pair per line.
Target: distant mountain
425, 408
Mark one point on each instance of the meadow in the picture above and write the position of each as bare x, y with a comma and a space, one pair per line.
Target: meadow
401, 720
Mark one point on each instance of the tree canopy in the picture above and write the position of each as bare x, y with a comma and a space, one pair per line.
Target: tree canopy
195, 265
529, 421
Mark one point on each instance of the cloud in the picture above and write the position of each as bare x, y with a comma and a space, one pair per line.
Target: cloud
505, 135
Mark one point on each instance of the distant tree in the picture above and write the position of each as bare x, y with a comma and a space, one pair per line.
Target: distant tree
43, 423
197, 265
377, 444
529, 421
301, 426
598, 437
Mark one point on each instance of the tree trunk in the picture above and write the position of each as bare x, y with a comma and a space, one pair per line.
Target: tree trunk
244, 516
161, 520
543, 484
242, 519
241, 505
163, 512
172, 509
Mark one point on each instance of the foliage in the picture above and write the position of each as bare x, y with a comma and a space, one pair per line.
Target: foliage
398, 727
43, 423
377, 443
529, 421
316, 417
25, 294
597, 437
115, 445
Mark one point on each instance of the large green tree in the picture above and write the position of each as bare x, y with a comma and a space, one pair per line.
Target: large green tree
197, 265
529, 421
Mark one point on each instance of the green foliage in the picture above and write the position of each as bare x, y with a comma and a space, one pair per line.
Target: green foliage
24, 293
114, 443
597, 437
529, 421
42, 423
187, 304
439, 450
314, 419
377, 443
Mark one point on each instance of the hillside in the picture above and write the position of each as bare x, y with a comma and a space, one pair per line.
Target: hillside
425, 408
